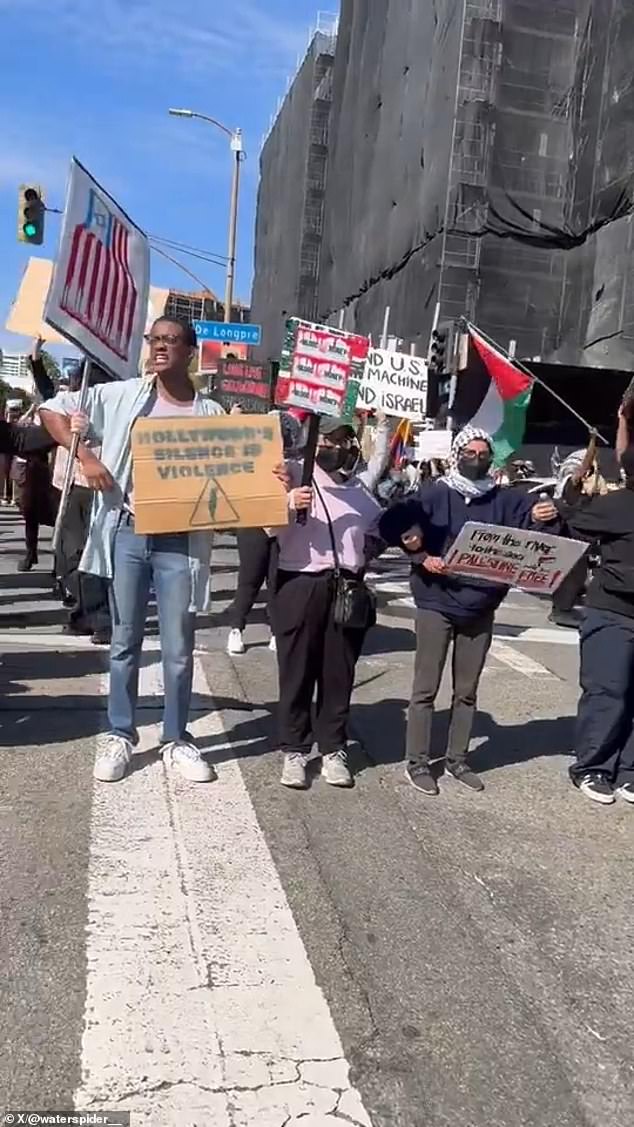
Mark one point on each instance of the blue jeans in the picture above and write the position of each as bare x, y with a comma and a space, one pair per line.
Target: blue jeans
605, 718
139, 561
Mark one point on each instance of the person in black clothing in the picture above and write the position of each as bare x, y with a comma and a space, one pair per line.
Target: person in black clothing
604, 767
258, 554
85, 596
20, 441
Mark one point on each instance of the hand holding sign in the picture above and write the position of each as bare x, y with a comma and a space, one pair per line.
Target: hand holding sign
533, 561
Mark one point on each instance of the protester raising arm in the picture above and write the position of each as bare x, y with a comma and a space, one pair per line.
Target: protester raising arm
375, 468
43, 382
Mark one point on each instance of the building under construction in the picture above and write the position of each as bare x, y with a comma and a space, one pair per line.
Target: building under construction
479, 158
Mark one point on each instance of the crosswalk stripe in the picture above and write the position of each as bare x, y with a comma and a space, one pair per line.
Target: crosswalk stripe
201, 1007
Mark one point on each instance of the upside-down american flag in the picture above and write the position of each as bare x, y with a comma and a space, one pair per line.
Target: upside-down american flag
99, 291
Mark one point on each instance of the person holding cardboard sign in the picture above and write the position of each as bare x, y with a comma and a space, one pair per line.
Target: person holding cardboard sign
451, 610
176, 564
322, 608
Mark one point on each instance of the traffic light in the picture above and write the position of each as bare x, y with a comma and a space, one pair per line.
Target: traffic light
439, 353
31, 212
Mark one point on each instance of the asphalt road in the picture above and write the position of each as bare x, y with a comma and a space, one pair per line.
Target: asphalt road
468, 957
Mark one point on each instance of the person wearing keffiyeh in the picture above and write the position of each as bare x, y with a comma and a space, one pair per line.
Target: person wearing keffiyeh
452, 610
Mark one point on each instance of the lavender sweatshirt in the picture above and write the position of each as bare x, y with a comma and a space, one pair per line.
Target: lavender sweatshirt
354, 514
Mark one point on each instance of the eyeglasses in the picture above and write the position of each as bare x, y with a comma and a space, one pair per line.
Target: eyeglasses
164, 338
473, 455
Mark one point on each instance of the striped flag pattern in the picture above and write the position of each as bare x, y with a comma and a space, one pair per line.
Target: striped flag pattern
99, 290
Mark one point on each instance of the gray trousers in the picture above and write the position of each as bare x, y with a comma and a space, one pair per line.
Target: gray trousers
471, 643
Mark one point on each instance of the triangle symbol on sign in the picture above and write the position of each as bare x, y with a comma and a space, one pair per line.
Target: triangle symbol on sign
213, 507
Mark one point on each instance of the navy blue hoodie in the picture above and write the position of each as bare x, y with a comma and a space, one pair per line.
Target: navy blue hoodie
441, 513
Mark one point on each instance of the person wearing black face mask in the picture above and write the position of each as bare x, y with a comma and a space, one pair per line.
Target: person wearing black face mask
314, 649
453, 610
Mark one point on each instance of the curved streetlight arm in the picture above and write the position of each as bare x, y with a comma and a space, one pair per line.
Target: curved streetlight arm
205, 117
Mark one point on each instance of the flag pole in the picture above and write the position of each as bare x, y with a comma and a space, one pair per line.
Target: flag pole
536, 379
70, 465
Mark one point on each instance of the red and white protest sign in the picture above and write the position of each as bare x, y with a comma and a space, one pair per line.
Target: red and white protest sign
320, 368
98, 297
532, 561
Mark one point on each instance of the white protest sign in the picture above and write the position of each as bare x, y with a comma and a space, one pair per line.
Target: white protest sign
98, 296
395, 383
533, 561
433, 444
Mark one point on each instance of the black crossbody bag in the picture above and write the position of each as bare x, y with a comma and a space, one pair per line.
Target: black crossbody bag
355, 603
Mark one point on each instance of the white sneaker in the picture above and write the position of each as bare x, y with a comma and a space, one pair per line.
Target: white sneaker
187, 760
273, 644
235, 645
294, 773
113, 759
335, 769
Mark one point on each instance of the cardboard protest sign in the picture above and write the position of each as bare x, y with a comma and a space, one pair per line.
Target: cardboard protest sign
320, 369
432, 444
533, 561
238, 383
26, 315
207, 472
99, 290
395, 383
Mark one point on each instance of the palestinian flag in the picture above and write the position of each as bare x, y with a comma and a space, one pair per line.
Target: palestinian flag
494, 395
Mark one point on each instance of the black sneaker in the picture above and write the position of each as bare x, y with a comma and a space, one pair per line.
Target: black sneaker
463, 774
102, 637
569, 619
28, 562
422, 779
596, 787
626, 792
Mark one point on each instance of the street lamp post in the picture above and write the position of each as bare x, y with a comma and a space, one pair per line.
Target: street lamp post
237, 149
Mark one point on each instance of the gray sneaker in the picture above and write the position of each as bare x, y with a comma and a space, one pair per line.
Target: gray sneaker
294, 773
113, 758
336, 771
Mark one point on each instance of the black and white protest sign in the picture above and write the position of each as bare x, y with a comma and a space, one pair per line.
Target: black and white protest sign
395, 383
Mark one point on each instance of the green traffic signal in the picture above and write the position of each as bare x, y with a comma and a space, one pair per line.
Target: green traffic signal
32, 211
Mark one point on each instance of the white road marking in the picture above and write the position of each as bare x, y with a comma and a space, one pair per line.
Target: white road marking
202, 1009
519, 661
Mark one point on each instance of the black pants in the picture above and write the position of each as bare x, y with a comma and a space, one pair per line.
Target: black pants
89, 591
258, 565
605, 717
569, 590
313, 652
471, 643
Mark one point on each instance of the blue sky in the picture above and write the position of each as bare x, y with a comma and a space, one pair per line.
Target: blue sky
95, 80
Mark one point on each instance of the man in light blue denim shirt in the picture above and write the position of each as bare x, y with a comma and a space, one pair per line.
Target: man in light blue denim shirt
175, 564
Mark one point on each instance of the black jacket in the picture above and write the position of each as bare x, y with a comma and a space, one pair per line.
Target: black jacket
609, 521
23, 440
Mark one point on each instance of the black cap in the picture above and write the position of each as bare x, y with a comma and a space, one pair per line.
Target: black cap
328, 425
